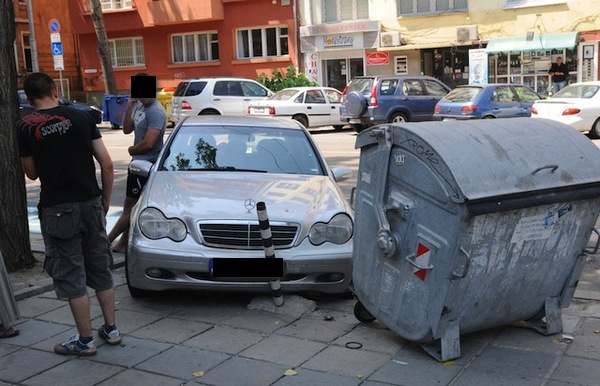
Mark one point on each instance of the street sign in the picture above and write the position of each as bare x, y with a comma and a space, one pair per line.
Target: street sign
59, 64
57, 49
54, 38
54, 26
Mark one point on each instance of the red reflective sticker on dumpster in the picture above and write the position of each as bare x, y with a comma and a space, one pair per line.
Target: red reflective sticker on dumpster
423, 259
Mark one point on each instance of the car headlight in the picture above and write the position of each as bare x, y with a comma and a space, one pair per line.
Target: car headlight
155, 225
337, 231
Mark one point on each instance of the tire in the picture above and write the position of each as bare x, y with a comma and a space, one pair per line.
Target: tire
338, 127
595, 131
355, 104
358, 128
362, 314
398, 118
209, 112
489, 117
302, 119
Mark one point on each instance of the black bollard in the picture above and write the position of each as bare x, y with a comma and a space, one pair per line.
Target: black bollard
265, 232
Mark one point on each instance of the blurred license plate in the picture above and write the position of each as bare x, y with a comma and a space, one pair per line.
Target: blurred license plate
258, 110
354, 120
449, 119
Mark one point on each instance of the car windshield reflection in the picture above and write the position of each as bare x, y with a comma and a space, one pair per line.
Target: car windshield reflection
237, 149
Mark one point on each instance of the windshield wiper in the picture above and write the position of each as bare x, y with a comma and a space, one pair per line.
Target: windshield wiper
225, 169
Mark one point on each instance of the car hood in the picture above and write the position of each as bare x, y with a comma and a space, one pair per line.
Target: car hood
233, 195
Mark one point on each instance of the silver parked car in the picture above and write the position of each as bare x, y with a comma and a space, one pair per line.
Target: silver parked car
199, 207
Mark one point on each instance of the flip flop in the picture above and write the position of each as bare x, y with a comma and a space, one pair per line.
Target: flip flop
7, 332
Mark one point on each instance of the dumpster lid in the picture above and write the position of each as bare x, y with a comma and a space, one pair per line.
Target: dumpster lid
498, 157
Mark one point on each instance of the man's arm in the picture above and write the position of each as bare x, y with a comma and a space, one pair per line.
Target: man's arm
107, 173
128, 125
29, 167
146, 144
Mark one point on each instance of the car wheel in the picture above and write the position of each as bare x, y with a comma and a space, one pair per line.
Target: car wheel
358, 128
489, 117
398, 118
136, 292
595, 131
302, 119
355, 104
209, 112
362, 314
338, 127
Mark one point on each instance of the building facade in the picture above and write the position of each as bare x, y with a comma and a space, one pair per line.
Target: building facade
457, 41
180, 39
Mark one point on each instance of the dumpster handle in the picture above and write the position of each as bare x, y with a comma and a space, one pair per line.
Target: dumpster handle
411, 259
455, 274
553, 167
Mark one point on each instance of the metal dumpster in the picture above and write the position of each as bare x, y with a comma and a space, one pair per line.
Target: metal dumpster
114, 107
462, 226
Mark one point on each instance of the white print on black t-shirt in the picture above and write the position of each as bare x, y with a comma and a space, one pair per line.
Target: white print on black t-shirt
60, 128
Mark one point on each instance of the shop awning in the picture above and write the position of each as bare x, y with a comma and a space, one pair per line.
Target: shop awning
538, 43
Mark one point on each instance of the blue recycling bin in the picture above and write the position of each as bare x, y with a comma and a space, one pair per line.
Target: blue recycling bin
114, 107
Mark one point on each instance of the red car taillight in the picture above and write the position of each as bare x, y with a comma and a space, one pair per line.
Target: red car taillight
185, 105
468, 109
534, 111
344, 94
373, 99
437, 108
271, 110
571, 111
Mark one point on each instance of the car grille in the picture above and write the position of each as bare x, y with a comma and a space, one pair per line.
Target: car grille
246, 236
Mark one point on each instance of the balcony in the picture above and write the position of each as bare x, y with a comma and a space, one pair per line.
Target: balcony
184, 11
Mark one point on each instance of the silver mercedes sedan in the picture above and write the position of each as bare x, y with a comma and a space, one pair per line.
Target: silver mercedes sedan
198, 211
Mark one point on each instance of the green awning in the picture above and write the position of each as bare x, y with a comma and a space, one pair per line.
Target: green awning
539, 43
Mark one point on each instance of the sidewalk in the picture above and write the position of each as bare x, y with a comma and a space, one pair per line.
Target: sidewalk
238, 339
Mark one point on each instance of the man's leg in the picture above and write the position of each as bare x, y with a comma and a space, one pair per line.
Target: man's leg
80, 308
122, 226
107, 304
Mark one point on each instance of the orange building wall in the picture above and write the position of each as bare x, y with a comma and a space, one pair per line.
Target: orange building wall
157, 49
43, 12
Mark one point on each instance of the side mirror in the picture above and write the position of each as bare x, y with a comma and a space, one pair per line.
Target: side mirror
140, 167
341, 174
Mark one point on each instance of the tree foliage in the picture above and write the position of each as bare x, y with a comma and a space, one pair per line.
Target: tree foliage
14, 226
278, 81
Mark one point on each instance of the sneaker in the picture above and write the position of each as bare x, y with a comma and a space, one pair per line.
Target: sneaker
74, 347
113, 338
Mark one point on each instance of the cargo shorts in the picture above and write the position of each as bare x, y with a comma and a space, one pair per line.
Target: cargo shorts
77, 249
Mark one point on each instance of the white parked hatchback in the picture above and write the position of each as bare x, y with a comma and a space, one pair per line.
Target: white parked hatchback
215, 96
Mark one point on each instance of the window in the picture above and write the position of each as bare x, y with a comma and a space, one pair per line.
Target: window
195, 47
411, 7
526, 95
401, 65
262, 42
111, 5
127, 52
434, 88
26, 52
335, 10
413, 87
314, 96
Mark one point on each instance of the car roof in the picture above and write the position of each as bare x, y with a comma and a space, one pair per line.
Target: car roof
216, 78
395, 77
229, 120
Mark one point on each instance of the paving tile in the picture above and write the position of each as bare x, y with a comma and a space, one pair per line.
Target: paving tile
182, 362
35, 306
225, 339
528, 339
171, 330
335, 315
347, 362
307, 377
583, 308
476, 378
373, 338
243, 372
502, 360
130, 352
407, 370
136, 377
587, 343
209, 313
36, 331
580, 371
63, 315
6, 348
317, 330
256, 320
284, 350
128, 321
25, 363
75, 372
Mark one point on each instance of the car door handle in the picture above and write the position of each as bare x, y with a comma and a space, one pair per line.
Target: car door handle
309, 107
248, 100
333, 107
217, 99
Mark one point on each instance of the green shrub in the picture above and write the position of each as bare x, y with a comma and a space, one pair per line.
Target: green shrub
278, 81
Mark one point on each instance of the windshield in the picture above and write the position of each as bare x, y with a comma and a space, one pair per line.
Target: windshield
362, 85
284, 95
232, 148
584, 91
462, 94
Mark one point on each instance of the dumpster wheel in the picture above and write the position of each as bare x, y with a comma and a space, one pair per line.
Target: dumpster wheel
362, 314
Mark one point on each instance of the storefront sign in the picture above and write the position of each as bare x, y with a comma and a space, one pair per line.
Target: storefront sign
338, 41
378, 58
324, 29
311, 66
478, 66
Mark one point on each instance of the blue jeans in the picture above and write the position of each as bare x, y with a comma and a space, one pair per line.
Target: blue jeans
557, 86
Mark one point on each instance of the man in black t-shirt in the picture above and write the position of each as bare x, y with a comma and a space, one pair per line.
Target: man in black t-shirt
58, 145
559, 73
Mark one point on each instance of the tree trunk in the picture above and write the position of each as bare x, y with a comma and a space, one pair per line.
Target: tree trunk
110, 86
14, 226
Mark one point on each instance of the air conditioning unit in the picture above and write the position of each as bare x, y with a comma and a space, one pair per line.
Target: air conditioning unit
390, 39
465, 33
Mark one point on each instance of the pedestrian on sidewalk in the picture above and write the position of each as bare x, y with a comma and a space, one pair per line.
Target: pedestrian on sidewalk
559, 73
147, 119
58, 145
